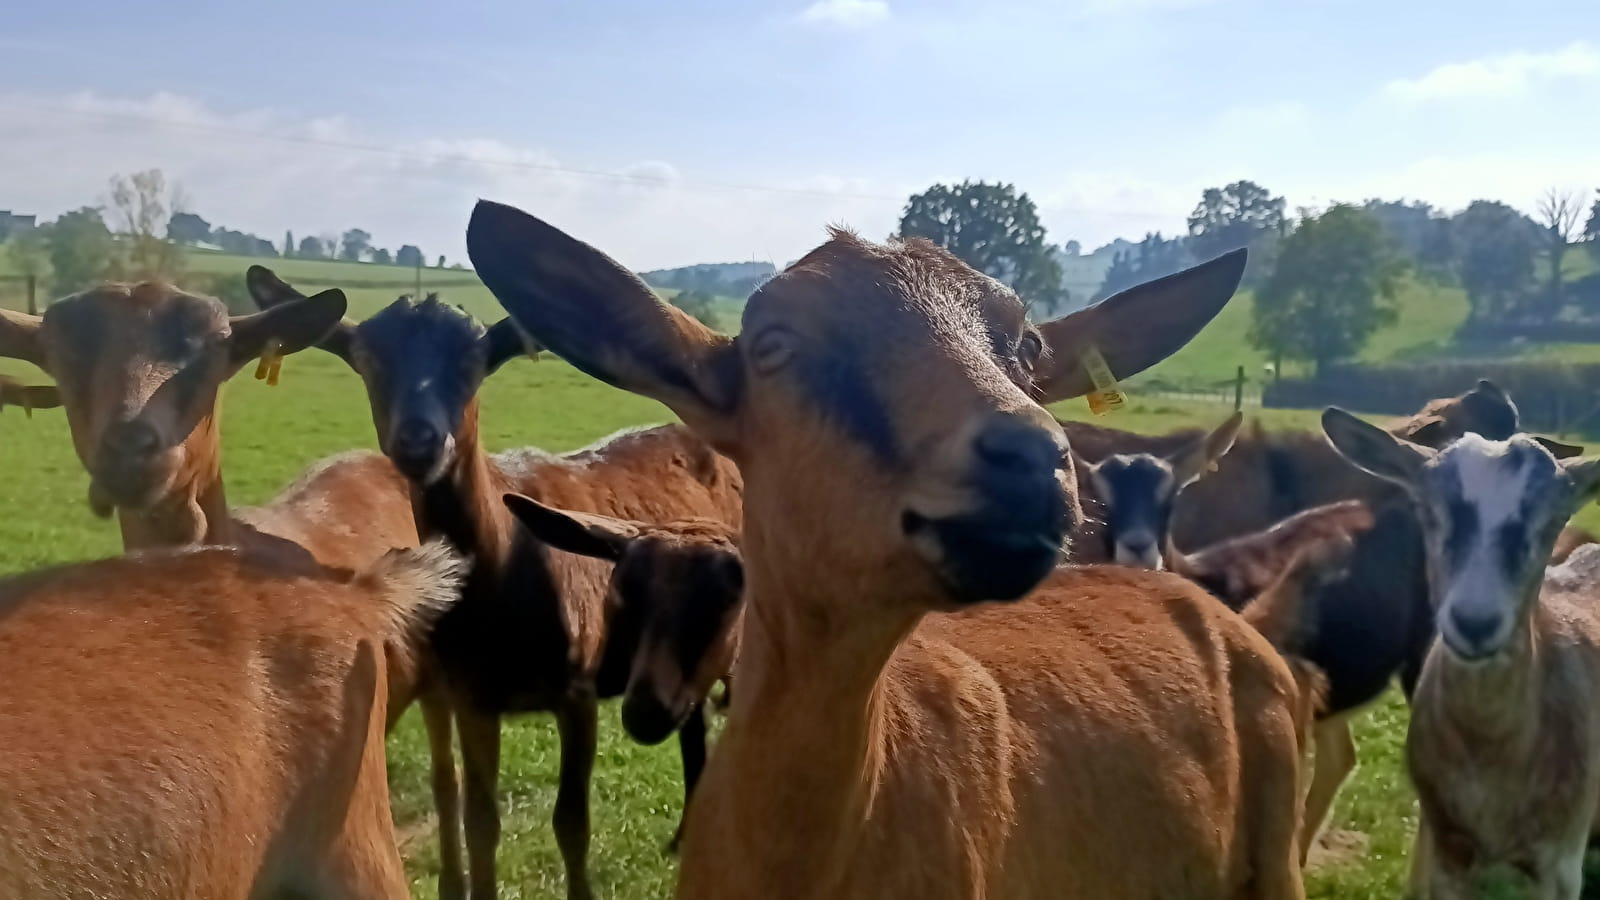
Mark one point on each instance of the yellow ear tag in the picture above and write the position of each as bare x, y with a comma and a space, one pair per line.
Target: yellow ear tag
1106, 396
271, 364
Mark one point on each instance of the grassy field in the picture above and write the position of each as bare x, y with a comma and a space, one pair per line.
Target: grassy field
271, 434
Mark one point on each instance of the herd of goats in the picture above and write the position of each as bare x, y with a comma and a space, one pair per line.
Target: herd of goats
961, 654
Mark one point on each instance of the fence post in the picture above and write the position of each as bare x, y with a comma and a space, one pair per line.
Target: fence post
418, 294
33, 301
1238, 389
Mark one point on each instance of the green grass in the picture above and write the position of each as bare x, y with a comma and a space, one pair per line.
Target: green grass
271, 434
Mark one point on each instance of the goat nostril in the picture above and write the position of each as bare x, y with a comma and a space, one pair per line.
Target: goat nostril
416, 436
134, 438
1019, 447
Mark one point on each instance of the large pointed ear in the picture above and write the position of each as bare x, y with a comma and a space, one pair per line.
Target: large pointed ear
1201, 457
1558, 449
1585, 475
597, 315
271, 292
28, 396
20, 336
1137, 328
1373, 450
504, 342
585, 534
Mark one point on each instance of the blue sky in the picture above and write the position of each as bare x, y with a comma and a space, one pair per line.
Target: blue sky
637, 125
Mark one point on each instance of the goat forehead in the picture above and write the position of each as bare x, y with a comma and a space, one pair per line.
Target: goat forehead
419, 334
1137, 475
1499, 480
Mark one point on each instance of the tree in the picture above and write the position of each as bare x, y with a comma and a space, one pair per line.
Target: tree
409, 256
1495, 246
1242, 214
699, 304
143, 205
354, 244
1332, 285
1417, 229
311, 247
381, 257
1559, 212
29, 252
1072, 248
1151, 258
242, 244
82, 250
992, 228
188, 228
441, 261
1591, 229
288, 244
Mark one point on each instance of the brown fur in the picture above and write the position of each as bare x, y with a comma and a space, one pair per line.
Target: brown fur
1570, 539
118, 355
876, 747
29, 397
1241, 568
196, 724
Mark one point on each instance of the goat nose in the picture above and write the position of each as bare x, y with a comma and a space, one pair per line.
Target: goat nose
415, 437
1475, 628
1013, 446
136, 439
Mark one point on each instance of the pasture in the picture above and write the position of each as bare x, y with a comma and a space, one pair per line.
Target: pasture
271, 434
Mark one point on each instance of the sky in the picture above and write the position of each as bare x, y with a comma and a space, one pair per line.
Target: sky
735, 130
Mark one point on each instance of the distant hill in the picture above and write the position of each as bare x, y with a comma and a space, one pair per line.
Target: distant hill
725, 279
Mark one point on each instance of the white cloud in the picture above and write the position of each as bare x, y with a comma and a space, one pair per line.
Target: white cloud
847, 13
1505, 75
264, 172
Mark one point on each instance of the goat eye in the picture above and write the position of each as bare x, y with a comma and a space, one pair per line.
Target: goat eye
772, 349
1029, 349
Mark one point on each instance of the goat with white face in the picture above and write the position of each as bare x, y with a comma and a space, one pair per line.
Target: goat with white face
1504, 743
1137, 492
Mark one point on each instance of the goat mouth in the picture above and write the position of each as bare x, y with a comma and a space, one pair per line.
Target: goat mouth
129, 487
991, 555
649, 721
1468, 653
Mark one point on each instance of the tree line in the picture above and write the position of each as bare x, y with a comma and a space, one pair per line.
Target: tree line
1324, 281
144, 229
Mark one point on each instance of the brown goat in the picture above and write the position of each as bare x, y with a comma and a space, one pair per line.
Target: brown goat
139, 369
528, 633
674, 613
200, 724
1108, 733
1269, 476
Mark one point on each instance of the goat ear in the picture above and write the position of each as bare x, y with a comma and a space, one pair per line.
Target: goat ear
594, 313
28, 396
585, 534
504, 342
271, 292
1136, 328
20, 337
1373, 450
293, 326
1432, 432
1201, 457
1558, 449
1585, 474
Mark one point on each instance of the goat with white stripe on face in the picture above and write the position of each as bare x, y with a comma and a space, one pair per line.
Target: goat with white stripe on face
1504, 744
